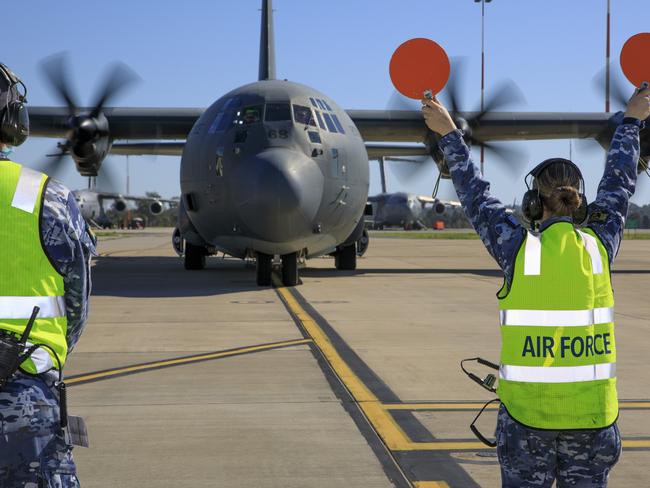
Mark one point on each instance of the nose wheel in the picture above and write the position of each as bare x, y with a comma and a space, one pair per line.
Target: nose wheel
263, 268
345, 258
194, 257
290, 269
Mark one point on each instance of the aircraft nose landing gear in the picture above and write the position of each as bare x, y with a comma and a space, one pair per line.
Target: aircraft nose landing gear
290, 269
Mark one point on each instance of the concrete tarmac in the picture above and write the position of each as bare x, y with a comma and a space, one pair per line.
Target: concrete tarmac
202, 379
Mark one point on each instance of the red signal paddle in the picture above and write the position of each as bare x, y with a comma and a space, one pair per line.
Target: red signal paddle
419, 65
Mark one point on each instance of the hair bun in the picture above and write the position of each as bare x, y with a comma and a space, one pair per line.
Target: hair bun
568, 196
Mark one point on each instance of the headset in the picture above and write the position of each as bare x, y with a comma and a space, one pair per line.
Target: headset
532, 205
14, 120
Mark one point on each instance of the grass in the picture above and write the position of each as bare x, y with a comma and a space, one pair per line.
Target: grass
426, 235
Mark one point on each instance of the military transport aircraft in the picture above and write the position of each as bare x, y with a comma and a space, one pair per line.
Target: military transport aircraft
406, 210
278, 168
91, 204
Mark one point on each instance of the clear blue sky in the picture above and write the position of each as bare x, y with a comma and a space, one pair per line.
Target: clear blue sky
190, 53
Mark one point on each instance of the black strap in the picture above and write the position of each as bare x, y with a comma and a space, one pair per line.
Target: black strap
475, 430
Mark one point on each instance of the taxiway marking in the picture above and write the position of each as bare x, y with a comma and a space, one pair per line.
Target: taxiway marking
166, 363
623, 405
430, 484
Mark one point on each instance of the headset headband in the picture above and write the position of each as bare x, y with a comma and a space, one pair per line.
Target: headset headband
13, 81
537, 170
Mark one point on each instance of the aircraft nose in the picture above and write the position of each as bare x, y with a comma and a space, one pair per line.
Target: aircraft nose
278, 193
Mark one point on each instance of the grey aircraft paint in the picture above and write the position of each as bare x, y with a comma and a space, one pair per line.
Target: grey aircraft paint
274, 186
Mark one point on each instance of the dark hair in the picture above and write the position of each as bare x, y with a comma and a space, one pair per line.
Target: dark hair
559, 188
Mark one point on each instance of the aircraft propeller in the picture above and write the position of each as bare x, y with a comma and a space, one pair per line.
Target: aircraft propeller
88, 134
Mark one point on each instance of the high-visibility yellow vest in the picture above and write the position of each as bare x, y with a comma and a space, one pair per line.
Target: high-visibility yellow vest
27, 277
558, 353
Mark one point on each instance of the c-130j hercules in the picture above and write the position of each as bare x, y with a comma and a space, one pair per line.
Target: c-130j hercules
276, 168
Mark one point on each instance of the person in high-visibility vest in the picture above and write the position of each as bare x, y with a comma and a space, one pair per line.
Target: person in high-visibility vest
557, 374
45, 252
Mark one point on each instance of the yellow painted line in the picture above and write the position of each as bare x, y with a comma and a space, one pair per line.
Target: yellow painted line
636, 443
477, 406
438, 406
187, 360
430, 484
383, 423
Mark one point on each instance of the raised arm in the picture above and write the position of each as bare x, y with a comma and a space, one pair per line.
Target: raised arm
500, 231
607, 214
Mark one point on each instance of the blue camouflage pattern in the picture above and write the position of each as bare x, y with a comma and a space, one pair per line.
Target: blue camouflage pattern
70, 244
34, 449
533, 458
502, 232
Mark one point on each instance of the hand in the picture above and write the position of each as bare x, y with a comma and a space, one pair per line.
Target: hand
436, 117
639, 105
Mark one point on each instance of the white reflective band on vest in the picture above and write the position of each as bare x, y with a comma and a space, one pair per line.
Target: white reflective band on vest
557, 318
22, 307
27, 190
558, 374
592, 248
41, 359
533, 254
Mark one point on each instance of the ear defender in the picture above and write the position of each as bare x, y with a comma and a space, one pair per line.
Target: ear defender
14, 119
532, 206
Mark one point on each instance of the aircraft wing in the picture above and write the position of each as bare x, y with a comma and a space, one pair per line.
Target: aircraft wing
118, 196
124, 123
130, 123
408, 125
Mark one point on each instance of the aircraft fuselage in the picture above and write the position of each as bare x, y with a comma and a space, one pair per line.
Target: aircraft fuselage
274, 167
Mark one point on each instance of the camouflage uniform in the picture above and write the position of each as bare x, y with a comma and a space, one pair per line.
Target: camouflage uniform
34, 451
532, 457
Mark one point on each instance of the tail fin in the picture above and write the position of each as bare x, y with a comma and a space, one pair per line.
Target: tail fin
267, 43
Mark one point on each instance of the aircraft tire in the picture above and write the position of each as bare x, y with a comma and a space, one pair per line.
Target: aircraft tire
194, 257
290, 269
263, 268
345, 258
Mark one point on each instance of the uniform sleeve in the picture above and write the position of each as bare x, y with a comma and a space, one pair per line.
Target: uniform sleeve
69, 244
607, 214
500, 231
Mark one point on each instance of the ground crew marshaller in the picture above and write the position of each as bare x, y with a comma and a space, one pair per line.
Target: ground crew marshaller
557, 377
45, 250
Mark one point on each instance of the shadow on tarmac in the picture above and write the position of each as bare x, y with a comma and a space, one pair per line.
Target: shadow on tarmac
158, 276
162, 276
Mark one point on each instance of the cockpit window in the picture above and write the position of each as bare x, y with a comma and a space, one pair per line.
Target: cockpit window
232, 103
313, 102
321, 104
338, 124
276, 112
329, 122
327, 105
248, 115
303, 115
320, 120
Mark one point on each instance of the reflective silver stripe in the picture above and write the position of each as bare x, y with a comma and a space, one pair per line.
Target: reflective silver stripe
22, 307
29, 184
41, 359
592, 248
558, 374
557, 318
533, 255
